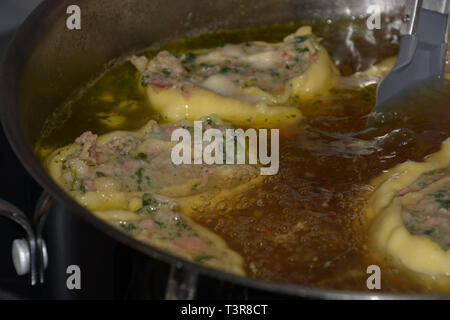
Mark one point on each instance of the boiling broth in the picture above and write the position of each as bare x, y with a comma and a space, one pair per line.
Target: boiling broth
306, 225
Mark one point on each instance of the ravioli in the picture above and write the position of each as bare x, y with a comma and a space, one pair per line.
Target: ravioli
128, 179
247, 84
411, 207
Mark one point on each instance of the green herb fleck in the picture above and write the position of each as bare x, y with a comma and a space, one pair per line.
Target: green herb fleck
275, 74
181, 224
445, 204
302, 50
82, 187
203, 259
429, 232
142, 156
189, 57
300, 39
422, 184
138, 175
166, 72
159, 224
438, 195
224, 69
145, 79
149, 202
127, 226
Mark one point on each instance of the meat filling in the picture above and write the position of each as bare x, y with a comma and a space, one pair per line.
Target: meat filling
430, 215
128, 163
229, 69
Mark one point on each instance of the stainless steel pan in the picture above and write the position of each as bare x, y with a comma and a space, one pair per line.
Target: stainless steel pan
46, 63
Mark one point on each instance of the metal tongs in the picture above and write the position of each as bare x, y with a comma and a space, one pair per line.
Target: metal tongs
421, 57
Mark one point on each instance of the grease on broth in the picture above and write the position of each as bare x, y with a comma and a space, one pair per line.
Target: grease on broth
307, 224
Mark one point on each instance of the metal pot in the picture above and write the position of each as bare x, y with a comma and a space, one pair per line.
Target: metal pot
46, 63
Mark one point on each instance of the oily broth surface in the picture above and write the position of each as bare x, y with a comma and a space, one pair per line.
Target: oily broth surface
306, 224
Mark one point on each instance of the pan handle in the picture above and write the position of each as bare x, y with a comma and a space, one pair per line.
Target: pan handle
40, 214
30, 254
23, 250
